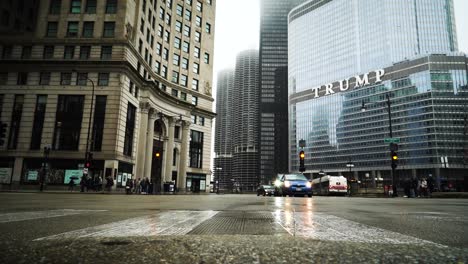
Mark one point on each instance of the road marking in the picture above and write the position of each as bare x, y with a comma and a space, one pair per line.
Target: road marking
322, 226
22, 216
160, 224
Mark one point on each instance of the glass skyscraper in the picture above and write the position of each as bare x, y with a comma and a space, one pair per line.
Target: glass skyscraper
273, 92
345, 53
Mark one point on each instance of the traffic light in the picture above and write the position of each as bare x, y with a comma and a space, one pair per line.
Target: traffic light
394, 157
89, 160
301, 161
157, 155
3, 128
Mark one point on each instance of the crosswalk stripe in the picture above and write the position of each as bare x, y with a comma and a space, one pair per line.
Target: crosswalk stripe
22, 216
327, 227
160, 224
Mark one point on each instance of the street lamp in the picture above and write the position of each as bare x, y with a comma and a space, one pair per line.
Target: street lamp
218, 169
90, 116
389, 110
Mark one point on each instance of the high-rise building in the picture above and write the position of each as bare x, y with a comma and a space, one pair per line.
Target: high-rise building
244, 121
396, 60
18, 17
273, 90
128, 81
223, 130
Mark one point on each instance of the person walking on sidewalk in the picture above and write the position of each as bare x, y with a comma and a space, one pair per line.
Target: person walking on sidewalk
71, 185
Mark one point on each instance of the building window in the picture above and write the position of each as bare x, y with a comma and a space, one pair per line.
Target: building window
160, 30
69, 52
183, 96
106, 52
98, 122
167, 36
15, 121
208, 28
26, 52
195, 84
183, 80
129, 130
197, 36
85, 52
185, 63
188, 15
186, 30
165, 54
90, 7
22, 78
157, 67
168, 19
196, 52
176, 59
109, 28
199, 7
44, 78
48, 52
196, 149
82, 78
178, 26
188, 2
209, 2
111, 6
175, 93
161, 13
103, 79
158, 48
7, 51
52, 29
38, 123
55, 6
177, 132
88, 29
75, 6
194, 100
207, 58
68, 121
5, 18
142, 25
168, 3
196, 68
177, 43
175, 77
164, 71
72, 30
194, 119
65, 78
198, 21
179, 10
186, 47
201, 121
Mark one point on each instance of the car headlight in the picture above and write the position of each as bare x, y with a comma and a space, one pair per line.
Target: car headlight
277, 183
287, 184
309, 185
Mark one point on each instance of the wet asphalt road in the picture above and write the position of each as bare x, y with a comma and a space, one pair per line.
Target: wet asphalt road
97, 228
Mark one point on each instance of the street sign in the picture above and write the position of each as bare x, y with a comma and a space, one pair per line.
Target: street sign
392, 140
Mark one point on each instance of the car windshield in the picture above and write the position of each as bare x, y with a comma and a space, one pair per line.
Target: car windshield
295, 177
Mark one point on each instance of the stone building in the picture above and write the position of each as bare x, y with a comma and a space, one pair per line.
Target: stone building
127, 80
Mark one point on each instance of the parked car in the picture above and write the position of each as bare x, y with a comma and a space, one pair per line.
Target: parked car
266, 190
293, 184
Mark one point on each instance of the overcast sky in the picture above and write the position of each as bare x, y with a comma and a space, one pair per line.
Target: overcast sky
238, 24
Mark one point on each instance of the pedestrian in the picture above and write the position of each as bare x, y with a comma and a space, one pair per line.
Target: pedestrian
138, 186
150, 187
99, 183
424, 188
147, 184
143, 186
414, 187
71, 185
82, 184
129, 186
430, 185
109, 183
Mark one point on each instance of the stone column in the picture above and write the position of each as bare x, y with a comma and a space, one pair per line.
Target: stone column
149, 144
169, 149
183, 156
143, 128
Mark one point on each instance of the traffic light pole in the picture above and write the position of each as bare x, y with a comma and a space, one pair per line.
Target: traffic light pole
391, 136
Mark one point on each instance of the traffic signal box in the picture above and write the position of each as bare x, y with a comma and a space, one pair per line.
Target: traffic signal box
394, 155
89, 160
301, 161
3, 128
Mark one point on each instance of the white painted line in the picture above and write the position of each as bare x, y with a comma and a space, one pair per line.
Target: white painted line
326, 227
160, 224
22, 216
